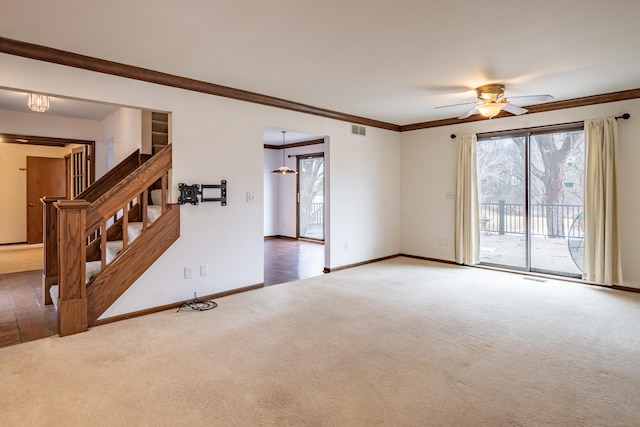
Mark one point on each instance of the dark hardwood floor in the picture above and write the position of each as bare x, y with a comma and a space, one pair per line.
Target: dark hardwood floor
286, 260
23, 315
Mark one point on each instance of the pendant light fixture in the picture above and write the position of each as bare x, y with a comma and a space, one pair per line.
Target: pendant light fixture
284, 168
38, 102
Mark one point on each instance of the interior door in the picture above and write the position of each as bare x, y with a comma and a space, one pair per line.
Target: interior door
45, 177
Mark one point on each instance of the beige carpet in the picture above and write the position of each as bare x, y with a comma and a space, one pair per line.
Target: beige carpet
16, 258
399, 343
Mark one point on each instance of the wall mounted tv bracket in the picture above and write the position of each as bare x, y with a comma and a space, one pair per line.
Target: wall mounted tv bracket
190, 193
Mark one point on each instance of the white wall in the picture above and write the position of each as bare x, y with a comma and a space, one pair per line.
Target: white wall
123, 129
217, 138
272, 160
13, 191
428, 173
365, 187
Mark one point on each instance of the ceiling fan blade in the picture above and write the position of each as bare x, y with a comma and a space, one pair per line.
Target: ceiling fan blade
455, 105
530, 99
469, 113
514, 109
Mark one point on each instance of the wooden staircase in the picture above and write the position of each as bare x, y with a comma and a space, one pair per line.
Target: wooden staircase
98, 244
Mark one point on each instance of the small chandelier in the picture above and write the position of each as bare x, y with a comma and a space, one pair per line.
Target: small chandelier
38, 102
284, 168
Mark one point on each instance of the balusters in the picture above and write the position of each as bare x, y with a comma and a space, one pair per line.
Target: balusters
103, 245
125, 224
165, 185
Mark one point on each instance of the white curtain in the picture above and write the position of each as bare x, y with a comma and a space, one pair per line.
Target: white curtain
602, 263
467, 235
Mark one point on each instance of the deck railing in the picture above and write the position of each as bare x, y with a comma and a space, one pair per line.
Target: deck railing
546, 220
316, 215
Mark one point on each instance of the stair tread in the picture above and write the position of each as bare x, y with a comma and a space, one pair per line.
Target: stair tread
92, 268
114, 247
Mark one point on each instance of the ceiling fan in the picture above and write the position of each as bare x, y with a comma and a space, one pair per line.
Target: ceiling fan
492, 101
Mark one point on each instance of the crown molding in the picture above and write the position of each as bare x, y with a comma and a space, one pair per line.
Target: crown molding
294, 144
70, 59
538, 108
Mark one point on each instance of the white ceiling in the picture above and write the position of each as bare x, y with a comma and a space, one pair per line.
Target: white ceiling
389, 61
14, 100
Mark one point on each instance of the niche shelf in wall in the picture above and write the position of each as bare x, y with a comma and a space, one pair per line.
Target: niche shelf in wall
156, 131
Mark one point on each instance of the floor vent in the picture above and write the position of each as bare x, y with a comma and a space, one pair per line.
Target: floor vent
358, 130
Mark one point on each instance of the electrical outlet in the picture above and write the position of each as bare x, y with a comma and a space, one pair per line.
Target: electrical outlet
346, 245
450, 194
188, 273
443, 242
251, 197
204, 270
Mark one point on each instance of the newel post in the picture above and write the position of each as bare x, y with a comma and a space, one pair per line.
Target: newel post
50, 240
72, 249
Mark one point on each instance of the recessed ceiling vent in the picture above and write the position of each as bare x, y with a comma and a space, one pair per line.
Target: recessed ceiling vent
358, 130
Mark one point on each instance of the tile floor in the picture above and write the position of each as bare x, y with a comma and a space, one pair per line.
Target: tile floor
23, 315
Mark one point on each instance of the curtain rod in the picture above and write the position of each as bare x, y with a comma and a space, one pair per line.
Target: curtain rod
624, 116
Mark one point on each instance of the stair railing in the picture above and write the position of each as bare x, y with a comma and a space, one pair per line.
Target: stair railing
93, 192
84, 224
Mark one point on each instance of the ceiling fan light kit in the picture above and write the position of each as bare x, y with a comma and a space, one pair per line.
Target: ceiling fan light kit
491, 109
491, 102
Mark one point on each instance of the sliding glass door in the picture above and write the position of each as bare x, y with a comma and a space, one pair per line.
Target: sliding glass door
311, 196
502, 199
530, 191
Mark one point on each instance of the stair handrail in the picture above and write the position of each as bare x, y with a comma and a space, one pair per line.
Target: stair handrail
117, 173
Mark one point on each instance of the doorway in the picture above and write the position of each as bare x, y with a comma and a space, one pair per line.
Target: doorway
530, 193
295, 205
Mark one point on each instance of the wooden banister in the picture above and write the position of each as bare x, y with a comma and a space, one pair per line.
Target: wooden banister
72, 298
85, 226
128, 188
108, 180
